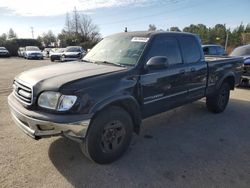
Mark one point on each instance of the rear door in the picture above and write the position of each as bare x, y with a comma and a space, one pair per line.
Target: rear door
165, 88
196, 67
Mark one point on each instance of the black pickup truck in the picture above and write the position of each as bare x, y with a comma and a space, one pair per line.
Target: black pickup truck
101, 100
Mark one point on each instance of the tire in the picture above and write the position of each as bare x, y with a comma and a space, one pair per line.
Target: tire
109, 135
51, 59
218, 102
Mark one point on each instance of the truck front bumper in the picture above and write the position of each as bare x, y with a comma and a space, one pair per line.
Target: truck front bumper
48, 126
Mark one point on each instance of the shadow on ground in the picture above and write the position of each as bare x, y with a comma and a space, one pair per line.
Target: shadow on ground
187, 146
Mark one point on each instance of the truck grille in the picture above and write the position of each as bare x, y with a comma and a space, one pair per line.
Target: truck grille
23, 92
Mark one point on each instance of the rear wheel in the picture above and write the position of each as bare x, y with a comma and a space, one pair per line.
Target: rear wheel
218, 102
109, 135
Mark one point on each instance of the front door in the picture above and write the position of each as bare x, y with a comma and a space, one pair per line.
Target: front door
165, 88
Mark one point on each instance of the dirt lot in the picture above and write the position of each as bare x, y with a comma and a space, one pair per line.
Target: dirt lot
185, 147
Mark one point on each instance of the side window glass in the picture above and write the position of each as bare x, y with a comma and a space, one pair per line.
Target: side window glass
165, 46
191, 49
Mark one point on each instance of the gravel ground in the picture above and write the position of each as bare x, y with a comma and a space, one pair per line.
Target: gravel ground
184, 147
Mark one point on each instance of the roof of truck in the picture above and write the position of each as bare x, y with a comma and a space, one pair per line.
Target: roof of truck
151, 33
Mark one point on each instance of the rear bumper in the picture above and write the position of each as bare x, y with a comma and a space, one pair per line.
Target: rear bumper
39, 128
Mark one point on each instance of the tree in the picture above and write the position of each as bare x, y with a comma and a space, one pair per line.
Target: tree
49, 38
3, 39
11, 34
79, 30
152, 27
176, 29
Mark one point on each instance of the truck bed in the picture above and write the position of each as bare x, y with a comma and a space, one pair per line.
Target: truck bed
210, 58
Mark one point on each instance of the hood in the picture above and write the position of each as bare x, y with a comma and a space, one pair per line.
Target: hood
54, 76
33, 52
72, 53
4, 51
56, 53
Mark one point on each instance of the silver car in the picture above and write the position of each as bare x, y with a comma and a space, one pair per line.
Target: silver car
32, 52
72, 53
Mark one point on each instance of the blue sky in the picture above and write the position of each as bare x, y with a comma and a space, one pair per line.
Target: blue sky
114, 15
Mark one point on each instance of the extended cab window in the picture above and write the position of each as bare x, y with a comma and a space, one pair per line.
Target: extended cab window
191, 49
165, 46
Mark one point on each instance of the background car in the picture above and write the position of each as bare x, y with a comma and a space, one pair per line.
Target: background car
4, 52
72, 53
20, 51
32, 52
213, 49
46, 52
244, 51
55, 54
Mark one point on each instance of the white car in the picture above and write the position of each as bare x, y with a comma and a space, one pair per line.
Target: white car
4, 52
72, 53
56, 53
21, 51
32, 52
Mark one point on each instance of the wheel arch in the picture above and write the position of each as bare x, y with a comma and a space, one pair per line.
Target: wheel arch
229, 78
128, 103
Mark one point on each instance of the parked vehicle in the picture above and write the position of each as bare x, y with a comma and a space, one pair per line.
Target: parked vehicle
56, 53
46, 52
21, 51
4, 52
244, 51
72, 53
32, 52
213, 49
125, 78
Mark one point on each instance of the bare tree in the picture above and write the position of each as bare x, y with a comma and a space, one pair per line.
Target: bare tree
152, 27
76, 21
67, 23
79, 30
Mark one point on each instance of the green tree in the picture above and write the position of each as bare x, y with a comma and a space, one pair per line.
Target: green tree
176, 29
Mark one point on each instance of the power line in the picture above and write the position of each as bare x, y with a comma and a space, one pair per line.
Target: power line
150, 15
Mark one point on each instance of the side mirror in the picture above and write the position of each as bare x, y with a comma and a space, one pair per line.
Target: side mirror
157, 62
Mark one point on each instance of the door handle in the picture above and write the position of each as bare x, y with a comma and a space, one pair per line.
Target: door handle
193, 69
182, 71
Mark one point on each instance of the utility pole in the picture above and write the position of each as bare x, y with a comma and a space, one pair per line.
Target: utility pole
226, 42
32, 32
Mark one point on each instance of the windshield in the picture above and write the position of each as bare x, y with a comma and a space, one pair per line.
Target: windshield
241, 51
2, 48
73, 49
124, 50
32, 48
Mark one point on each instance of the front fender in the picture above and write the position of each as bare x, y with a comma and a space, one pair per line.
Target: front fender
128, 102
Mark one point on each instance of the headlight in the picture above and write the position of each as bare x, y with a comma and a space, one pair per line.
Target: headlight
66, 102
56, 101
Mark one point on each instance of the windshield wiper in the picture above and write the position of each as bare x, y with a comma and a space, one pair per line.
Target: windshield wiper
110, 63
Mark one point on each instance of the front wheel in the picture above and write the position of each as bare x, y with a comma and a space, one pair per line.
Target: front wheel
109, 135
218, 102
